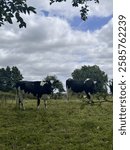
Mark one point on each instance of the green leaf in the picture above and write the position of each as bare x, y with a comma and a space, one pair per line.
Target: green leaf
30, 8
22, 24
17, 15
11, 15
9, 20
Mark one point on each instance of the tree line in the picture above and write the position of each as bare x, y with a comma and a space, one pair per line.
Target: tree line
10, 75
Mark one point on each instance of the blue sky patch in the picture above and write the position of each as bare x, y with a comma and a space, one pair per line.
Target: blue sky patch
92, 23
46, 13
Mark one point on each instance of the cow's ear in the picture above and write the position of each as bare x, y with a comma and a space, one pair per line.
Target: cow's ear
42, 83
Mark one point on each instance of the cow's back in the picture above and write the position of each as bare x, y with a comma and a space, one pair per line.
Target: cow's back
75, 85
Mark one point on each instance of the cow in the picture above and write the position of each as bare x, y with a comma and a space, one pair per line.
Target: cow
36, 88
87, 86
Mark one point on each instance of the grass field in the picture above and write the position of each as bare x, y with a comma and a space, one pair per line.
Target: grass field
63, 126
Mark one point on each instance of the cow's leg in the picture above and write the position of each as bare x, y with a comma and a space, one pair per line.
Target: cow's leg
45, 103
89, 96
20, 98
17, 97
38, 102
68, 93
67, 96
45, 97
91, 99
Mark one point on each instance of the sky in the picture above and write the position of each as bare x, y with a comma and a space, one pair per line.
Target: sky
56, 41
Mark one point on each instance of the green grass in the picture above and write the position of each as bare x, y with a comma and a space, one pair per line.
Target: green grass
63, 126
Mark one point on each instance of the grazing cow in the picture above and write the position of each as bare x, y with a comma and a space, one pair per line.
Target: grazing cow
87, 86
37, 88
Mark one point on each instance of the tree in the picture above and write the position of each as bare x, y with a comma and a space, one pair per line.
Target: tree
8, 82
2, 79
15, 75
75, 3
8, 78
14, 8
57, 83
93, 72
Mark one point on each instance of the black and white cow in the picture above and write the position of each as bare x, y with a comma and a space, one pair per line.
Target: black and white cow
37, 88
87, 86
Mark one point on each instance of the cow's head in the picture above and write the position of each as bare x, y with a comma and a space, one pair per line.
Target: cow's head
43, 82
51, 83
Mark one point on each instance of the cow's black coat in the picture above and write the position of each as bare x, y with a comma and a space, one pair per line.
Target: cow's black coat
88, 86
37, 88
